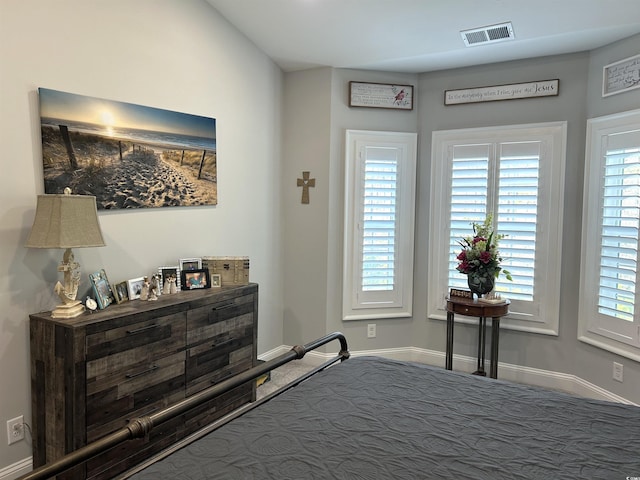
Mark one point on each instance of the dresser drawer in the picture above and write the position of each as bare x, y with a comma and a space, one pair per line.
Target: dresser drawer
206, 323
134, 343
141, 389
222, 356
210, 411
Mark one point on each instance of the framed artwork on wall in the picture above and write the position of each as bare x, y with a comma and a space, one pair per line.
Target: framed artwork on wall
381, 95
621, 76
128, 156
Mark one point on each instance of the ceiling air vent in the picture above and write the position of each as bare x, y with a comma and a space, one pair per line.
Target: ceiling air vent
490, 34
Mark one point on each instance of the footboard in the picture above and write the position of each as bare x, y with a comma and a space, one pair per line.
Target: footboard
139, 427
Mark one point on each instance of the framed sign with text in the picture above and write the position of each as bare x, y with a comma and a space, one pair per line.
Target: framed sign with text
542, 88
381, 95
621, 76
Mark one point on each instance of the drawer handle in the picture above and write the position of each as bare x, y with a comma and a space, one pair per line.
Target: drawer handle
144, 372
213, 382
222, 307
142, 329
217, 345
146, 412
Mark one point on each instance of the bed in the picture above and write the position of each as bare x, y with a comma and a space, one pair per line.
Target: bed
376, 418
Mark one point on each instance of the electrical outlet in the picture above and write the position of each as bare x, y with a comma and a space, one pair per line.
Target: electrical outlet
371, 330
617, 371
15, 429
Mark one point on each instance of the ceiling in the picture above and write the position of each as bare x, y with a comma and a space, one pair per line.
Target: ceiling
417, 36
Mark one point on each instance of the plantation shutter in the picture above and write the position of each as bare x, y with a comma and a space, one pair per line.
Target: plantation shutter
619, 233
518, 199
379, 224
515, 173
608, 315
469, 198
500, 178
378, 221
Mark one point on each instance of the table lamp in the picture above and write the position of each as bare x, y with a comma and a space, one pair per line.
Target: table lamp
66, 221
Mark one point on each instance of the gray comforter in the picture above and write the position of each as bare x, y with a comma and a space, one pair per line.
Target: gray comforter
373, 418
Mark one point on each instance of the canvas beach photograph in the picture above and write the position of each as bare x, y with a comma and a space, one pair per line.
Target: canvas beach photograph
126, 155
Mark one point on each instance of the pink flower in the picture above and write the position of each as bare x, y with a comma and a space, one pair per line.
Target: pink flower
485, 257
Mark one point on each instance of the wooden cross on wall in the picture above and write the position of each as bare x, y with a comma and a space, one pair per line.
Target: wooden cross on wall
305, 182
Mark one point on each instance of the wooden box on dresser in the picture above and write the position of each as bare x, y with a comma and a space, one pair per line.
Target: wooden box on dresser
91, 374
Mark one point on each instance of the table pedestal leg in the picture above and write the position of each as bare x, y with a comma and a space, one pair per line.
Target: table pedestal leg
482, 329
495, 338
448, 360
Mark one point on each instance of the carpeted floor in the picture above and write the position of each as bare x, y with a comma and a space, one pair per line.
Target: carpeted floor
282, 376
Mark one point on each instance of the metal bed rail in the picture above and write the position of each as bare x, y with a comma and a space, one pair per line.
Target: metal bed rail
139, 427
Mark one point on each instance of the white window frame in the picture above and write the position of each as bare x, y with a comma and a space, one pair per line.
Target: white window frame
594, 328
542, 314
357, 304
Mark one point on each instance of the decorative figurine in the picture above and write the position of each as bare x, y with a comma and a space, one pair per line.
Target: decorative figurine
144, 292
166, 286
153, 288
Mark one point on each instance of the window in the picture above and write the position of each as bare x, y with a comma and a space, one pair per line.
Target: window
610, 236
379, 224
516, 173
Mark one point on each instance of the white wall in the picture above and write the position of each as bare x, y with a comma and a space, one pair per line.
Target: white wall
175, 55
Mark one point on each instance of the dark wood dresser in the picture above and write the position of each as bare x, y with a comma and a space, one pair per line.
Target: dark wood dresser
91, 374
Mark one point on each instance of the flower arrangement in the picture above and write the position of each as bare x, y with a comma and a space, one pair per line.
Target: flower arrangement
479, 255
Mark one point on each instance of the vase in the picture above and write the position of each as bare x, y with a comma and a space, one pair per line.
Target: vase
480, 282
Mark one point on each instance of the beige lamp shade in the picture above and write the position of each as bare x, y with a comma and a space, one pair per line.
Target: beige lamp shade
65, 221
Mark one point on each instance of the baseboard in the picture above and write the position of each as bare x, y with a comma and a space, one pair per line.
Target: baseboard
514, 373
16, 470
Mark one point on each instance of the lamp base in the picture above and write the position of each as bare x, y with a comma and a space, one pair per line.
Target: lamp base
69, 310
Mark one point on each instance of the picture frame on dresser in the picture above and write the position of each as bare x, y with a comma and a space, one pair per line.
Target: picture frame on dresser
190, 263
195, 279
134, 287
166, 272
216, 280
121, 292
101, 289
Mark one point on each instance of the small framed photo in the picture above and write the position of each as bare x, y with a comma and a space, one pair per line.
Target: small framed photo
121, 292
134, 287
101, 289
171, 273
195, 279
216, 280
190, 264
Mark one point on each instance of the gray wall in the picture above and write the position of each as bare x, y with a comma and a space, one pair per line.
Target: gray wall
520, 348
580, 98
580, 78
